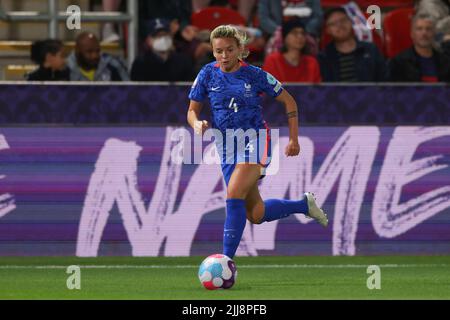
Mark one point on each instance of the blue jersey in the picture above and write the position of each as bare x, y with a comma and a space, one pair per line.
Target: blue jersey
235, 97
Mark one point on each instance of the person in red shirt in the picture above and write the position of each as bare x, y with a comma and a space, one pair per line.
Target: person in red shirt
293, 64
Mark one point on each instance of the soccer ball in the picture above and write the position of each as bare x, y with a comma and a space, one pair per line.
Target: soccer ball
217, 272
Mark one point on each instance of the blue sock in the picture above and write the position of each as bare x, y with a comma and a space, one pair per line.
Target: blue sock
234, 226
278, 208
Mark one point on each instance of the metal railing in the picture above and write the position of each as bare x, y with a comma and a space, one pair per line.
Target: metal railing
53, 17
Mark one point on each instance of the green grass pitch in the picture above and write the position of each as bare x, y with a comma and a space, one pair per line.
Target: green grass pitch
269, 278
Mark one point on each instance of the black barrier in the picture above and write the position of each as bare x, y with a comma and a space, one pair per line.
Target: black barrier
160, 104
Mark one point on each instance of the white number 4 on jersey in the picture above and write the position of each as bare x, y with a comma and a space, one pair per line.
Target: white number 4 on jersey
233, 105
250, 147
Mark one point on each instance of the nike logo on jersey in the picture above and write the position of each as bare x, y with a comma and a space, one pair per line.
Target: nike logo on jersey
215, 88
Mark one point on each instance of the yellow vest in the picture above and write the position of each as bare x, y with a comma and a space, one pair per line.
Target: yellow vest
88, 74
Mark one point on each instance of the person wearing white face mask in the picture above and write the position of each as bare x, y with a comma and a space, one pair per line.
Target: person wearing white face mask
162, 44
160, 61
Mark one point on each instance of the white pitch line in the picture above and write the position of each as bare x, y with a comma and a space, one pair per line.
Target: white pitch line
249, 266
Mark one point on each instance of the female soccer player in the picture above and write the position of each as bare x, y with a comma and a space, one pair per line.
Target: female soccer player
233, 88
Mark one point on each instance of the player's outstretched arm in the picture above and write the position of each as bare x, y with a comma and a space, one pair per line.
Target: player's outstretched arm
293, 148
193, 115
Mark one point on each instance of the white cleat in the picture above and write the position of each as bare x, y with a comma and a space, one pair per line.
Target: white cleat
314, 211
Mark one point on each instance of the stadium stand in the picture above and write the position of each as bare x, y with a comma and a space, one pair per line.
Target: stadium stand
365, 3
16, 37
17, 32
211, 17
396, 26
377, 39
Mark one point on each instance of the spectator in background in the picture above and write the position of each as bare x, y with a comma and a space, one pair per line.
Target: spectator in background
49, 55
87, 63
176, 11
438, 10
160, 62
194, 45
271, 15
345, 59
444, 27
185, 36
293, 64
421, 62
109, 33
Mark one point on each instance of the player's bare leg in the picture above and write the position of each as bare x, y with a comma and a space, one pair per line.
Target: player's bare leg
242, 180
244, 177
244, 185
244, 202
254, 205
